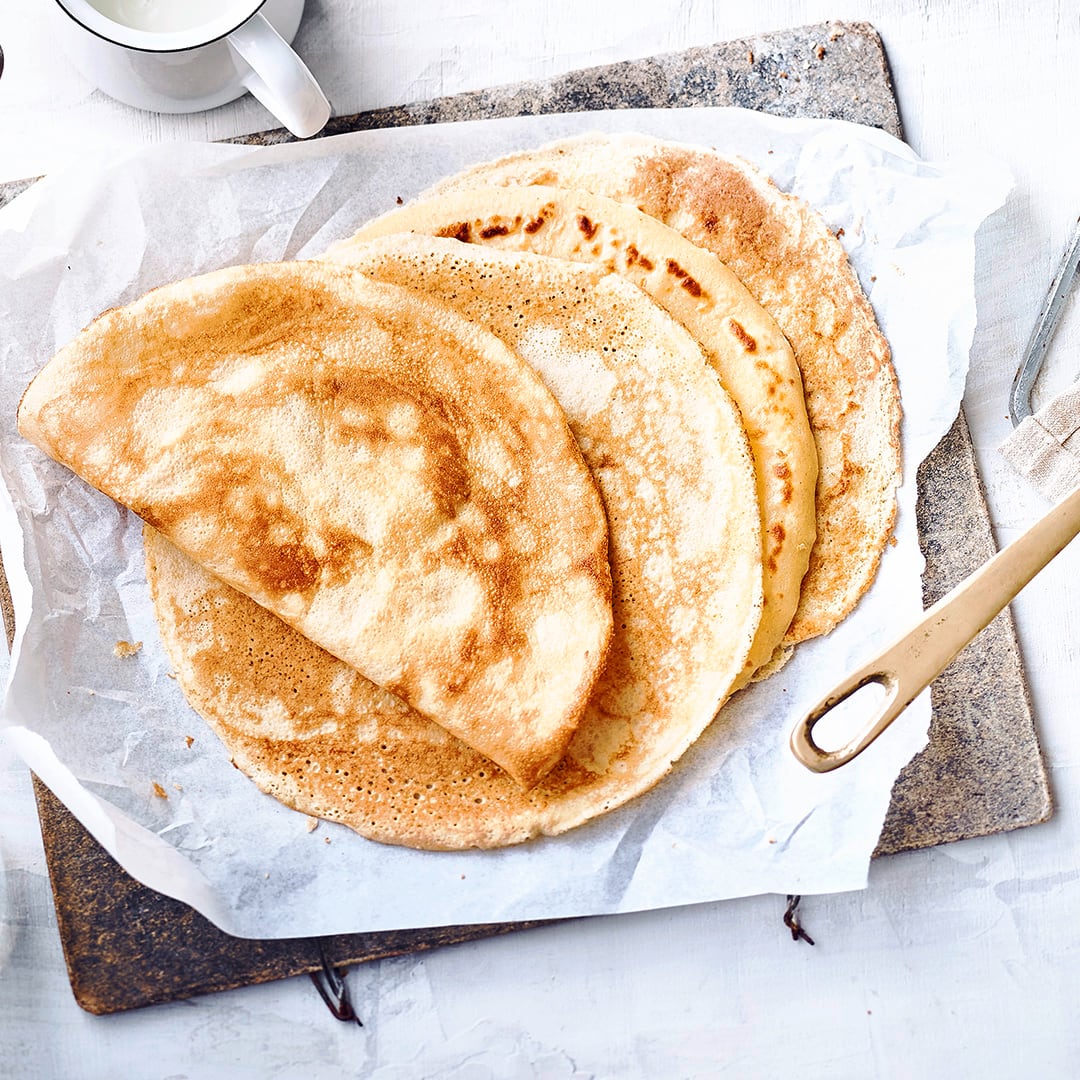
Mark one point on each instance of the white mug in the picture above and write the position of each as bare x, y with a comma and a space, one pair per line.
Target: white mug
184, 56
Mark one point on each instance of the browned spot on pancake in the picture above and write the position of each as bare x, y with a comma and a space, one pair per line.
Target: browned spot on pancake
635, 258
850, 472
284, 568
460, 230
747, 342
344, 544
448, 477
650, 187
732, 213
273, 544
469, 654
535, 225
779, 535
489, 232
689, 283
787, 491
587, 227
364, 433
438, 422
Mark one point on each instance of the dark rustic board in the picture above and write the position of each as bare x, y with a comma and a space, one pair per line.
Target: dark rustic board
127, 946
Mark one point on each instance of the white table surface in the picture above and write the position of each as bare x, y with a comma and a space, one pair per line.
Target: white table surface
957, 961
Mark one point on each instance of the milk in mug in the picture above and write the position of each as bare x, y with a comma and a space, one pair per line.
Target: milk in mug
169, 16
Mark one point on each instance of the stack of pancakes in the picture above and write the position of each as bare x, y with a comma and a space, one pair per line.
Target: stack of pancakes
463, 533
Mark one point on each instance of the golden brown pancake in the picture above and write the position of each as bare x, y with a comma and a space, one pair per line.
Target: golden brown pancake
379, 472
797, 269
742, 343
673, 467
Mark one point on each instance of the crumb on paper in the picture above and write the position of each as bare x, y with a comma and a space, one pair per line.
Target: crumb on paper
462, 877
123, 649
189, 740
178, 787
839, 232
819, 52
835, 33
266, 875
326, 839
400, 200
893, 541
159, 791
170, 675
750, 57
783, 74
312, 823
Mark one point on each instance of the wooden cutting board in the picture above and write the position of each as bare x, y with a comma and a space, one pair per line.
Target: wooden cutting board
127, 946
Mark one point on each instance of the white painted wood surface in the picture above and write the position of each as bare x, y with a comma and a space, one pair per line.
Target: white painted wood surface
958, 961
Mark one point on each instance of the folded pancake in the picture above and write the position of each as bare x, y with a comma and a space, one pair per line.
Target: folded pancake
796, 268
671, 460
742, 343
376, 470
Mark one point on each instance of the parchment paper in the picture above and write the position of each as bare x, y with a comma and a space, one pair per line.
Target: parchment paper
737, 816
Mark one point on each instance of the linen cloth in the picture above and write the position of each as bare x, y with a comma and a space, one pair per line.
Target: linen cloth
1045, 447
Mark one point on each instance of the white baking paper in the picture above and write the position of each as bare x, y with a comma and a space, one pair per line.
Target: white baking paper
738, 816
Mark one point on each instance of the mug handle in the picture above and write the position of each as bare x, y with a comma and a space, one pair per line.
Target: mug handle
278, 77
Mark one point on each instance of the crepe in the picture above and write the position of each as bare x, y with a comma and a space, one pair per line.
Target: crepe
672, 463
742, 343
380, 473
797, 269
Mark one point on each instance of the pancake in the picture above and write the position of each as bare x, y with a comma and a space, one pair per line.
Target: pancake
671, 460
385, 476
741, 342
796, 268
